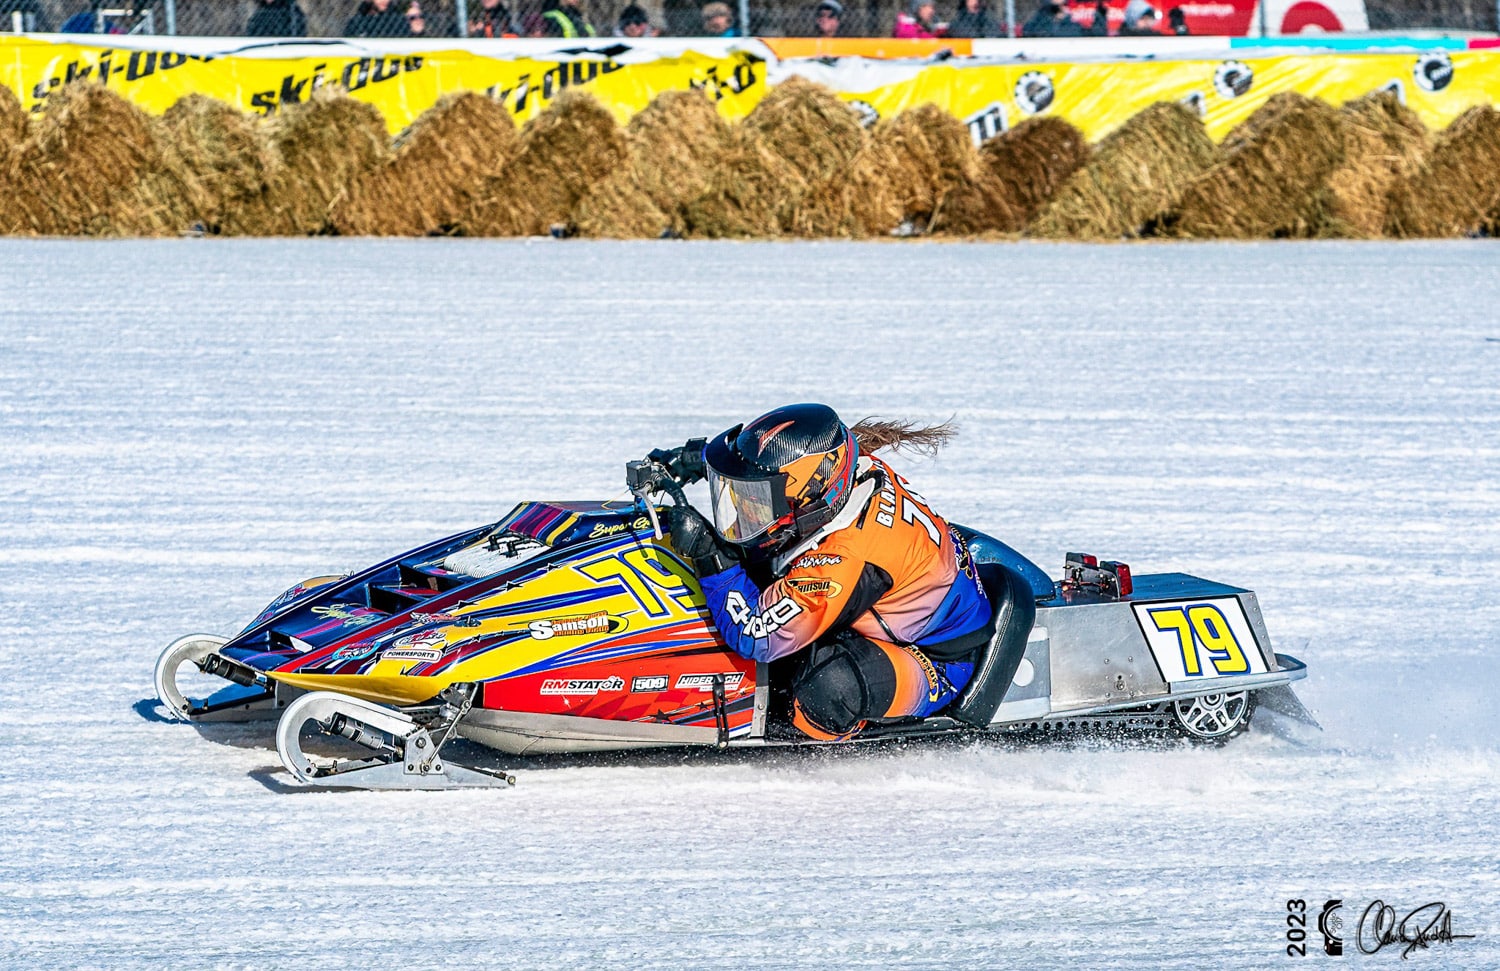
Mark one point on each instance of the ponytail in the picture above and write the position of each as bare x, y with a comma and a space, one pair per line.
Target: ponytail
874, 435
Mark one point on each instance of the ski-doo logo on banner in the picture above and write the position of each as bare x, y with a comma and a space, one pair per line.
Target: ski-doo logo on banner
582, 686
582, 625
705, 682
1233, 78
1034, 92
765, 623
1433, 72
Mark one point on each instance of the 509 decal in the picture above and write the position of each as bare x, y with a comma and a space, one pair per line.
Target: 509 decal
1200, 640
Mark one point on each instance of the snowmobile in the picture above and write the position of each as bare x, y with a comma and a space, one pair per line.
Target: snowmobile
575, 627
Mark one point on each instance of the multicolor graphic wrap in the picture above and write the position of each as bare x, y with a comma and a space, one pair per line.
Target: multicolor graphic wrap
568, 608
896, 556
1095, 83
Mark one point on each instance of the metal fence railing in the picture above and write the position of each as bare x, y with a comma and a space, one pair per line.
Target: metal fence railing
628, 18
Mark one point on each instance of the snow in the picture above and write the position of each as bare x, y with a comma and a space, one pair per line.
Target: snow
189, 427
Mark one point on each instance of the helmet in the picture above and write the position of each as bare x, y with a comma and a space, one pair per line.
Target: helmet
781, 477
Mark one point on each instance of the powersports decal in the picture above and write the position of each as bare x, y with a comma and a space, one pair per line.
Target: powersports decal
765, 623
424, 654
582, 686
705, 682
581, 625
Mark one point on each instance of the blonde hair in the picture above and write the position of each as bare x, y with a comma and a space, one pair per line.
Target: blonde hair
876, 434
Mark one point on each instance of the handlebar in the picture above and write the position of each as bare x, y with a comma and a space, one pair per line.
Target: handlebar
643, 477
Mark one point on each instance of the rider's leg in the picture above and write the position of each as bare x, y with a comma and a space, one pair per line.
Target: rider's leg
849, 680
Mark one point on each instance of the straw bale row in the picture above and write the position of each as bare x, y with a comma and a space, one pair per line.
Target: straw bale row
800, 164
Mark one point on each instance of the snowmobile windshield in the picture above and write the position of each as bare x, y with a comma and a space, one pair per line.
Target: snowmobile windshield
745, 508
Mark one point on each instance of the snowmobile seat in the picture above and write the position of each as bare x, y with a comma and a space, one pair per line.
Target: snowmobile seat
1014, 602
988, 549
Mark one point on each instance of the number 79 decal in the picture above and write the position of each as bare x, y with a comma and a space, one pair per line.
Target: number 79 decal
1199, 640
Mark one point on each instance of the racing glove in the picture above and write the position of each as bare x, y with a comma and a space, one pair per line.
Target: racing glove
695, 538
684, 462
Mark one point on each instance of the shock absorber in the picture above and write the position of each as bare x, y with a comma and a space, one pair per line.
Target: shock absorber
357, 731
221, 666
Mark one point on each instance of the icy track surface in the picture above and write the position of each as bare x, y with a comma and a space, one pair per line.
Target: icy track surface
188, 427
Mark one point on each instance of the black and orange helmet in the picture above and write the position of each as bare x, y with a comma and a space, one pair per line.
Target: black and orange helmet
781, 477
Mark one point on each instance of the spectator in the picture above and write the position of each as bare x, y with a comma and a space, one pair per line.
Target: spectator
377, 18
1053, 20
718, 20
277, 18
973, 20
566, 19
491, 18
33, 18
415, 21
828, 19
635, 23
1140, 20
916, 20
1177, 21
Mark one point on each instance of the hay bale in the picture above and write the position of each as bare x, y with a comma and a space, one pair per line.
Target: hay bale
1383, 141
325, 145
1019, 171
440, 163
81, 171
931, 154
12, 120
1276, 164
1455, 188
774, 176
563, 153
674, 144
1136, 173
225, 157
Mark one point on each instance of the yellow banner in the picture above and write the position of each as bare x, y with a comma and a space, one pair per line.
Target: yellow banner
1097, 96
402, 86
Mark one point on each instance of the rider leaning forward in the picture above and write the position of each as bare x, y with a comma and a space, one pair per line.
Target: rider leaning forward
819, 550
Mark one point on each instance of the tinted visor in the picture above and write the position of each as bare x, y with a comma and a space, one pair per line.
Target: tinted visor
745, 508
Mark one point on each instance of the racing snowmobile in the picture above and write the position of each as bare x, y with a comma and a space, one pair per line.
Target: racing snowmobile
575, 627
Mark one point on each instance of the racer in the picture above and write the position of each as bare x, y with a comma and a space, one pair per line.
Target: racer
818, 548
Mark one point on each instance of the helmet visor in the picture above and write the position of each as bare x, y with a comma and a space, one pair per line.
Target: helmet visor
745, 508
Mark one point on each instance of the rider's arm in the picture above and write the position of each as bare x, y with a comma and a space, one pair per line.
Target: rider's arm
823, 588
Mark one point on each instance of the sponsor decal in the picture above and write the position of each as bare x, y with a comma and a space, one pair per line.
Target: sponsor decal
1434, 71
422, 618
866, 112
765, 623
615, 529
425, 654
1034, 92
354, 652
346, 613
582, 686
580, 625
814, 560
987, 122
814, 586
705, 682
649, 682
934, 686
422, 638
1233, 78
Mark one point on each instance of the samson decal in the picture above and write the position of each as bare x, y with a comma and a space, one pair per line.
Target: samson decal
581, 625
815, 586
765, 623
582, 686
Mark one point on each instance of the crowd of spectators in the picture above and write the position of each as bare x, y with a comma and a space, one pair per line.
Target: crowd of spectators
568, 19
